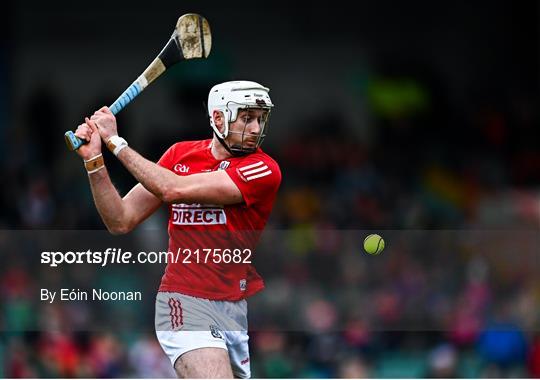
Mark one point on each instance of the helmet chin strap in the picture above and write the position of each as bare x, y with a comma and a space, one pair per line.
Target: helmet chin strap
235, 152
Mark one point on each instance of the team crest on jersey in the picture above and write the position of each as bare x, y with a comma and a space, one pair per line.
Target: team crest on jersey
224, 165
243, 285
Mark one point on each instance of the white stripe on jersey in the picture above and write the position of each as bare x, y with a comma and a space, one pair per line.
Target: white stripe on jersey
251, 166
259, 175
256, 170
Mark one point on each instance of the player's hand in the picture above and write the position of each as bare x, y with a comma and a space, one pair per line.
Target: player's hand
105, 123
87, 131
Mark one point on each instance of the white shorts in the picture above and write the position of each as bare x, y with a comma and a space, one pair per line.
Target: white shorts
185, 323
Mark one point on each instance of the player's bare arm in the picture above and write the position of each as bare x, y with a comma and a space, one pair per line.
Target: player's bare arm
120, 215
207, 188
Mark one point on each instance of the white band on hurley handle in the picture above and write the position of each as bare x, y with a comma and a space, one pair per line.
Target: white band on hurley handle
116, 144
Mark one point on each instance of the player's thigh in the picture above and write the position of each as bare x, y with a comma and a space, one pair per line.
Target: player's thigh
208, 362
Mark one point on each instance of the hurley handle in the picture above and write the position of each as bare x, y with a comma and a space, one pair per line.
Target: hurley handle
74, 143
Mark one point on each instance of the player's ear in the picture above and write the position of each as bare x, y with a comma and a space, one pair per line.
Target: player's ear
218, 119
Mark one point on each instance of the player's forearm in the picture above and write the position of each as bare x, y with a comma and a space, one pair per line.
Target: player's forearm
161, 182
108, 202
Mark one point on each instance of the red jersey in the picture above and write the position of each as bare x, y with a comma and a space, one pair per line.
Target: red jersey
205, 232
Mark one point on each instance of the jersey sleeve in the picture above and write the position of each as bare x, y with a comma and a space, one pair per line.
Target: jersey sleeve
257, 178
167, 159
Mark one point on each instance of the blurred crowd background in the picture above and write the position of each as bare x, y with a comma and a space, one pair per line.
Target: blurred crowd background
397, 117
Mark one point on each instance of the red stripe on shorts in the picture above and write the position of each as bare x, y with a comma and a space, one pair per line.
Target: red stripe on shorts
177, 315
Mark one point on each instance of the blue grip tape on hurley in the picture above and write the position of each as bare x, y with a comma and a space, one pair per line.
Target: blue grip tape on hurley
72, 141
126, 97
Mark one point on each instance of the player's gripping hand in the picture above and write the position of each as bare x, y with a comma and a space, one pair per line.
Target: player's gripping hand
105, 122
87, 131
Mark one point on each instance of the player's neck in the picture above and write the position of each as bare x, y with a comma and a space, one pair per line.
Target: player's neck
218, 151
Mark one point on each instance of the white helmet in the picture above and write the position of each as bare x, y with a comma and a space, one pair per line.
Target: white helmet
229, 97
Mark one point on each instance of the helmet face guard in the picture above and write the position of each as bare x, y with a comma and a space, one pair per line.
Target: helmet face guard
232, 97
249, 142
